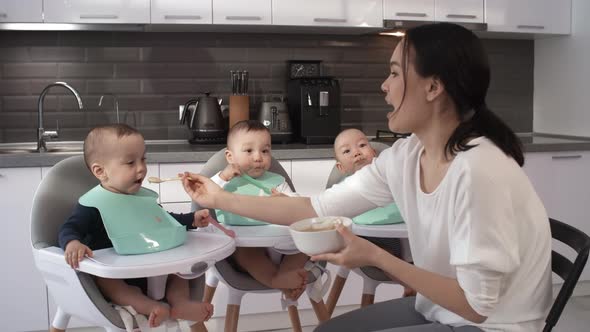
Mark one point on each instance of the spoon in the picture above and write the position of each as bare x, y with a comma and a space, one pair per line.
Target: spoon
227, 232
155, 179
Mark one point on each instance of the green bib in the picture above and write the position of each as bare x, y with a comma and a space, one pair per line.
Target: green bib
380, 216
245, 185
136, 224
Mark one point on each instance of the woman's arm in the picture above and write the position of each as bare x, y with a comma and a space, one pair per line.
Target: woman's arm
441, 290
276, 210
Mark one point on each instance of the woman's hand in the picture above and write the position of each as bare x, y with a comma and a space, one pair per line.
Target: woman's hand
200, 188
357, 251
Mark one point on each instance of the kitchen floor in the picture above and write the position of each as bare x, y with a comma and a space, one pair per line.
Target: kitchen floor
576, 317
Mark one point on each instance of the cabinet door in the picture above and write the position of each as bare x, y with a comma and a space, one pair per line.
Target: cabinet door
561, 181
24, 304
21, 11
529, 16
90, 11
459, 11
362, 13
242, 12
181, 11
411, 10
172, 191
310, 176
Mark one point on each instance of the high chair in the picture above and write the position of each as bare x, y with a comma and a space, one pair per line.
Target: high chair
75, 291
239, 283
372, 277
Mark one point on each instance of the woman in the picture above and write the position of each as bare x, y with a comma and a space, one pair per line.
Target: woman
479, 234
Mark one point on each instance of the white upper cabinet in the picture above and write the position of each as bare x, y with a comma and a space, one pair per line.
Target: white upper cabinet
529, 16
242, 12
181, 11
23, 11
346, 13
459, 11
411, 10
92, 11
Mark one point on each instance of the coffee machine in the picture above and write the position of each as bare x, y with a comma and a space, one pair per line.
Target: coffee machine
314, 104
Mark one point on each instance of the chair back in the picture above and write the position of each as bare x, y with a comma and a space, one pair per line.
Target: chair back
56, 197
335, 175
569, 271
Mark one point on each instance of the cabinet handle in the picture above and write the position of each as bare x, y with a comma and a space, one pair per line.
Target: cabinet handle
462, 16
536, 27
3, 15
182, 17
572, 156
411, 14
243, 18
103, 17
329, 20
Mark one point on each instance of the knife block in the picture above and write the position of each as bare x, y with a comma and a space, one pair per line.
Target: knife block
239, 109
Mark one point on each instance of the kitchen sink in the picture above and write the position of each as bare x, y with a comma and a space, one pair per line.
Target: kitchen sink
52, 147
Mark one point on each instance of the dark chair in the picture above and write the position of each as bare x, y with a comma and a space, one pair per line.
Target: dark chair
563, 267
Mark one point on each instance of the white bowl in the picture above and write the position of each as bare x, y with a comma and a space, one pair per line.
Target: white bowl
314, 242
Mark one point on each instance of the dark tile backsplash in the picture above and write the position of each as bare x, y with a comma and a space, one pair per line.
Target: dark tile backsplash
152, 73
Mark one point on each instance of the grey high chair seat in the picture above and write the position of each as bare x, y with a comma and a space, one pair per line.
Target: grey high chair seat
74, 292
240, 283
372, 276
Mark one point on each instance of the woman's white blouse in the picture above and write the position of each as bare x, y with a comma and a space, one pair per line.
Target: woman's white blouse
483, 225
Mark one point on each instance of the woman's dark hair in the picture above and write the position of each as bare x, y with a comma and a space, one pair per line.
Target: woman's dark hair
457, 57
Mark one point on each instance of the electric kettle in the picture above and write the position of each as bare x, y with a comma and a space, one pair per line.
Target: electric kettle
204, 120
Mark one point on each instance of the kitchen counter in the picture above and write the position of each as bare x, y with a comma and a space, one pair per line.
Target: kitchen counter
179, 151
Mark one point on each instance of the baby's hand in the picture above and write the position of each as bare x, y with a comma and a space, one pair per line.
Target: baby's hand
201, 218
274, 192
75, 252
230, 172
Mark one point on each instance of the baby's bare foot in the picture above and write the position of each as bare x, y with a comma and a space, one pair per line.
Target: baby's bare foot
290, 279
191, 310
159, 313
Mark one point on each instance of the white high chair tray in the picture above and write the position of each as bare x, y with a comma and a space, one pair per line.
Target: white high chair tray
268, 236
384, 231
199, 251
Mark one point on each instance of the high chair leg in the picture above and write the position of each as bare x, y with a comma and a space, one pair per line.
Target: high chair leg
231, 318
321, 311
294, 317
60, 321
335, 292
367, 299
208, 294
53, 329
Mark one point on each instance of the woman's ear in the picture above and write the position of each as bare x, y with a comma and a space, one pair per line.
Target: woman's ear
434, 88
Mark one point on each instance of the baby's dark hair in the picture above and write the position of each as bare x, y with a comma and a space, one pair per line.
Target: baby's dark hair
245, 125
95, 139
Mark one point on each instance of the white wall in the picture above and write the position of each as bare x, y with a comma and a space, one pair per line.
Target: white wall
562, 79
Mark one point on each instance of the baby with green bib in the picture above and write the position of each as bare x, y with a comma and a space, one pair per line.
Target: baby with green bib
114, 213
353, 152
248, 155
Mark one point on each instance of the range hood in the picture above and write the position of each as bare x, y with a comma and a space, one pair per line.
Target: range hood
401, 25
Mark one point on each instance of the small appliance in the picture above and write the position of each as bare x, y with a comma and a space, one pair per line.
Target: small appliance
275, 116
204, 120
314, 104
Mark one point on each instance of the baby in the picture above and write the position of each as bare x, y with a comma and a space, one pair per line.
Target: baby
249, 152
115, 154
353, 152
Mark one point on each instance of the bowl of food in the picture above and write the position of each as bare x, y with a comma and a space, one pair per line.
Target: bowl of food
318, 235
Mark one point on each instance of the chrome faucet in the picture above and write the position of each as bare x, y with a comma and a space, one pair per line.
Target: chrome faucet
115, 99
42, 134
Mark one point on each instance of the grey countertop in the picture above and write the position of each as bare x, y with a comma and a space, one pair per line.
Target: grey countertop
180, 151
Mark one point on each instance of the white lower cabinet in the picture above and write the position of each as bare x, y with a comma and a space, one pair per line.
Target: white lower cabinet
24, 296
310, 176
561, 180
